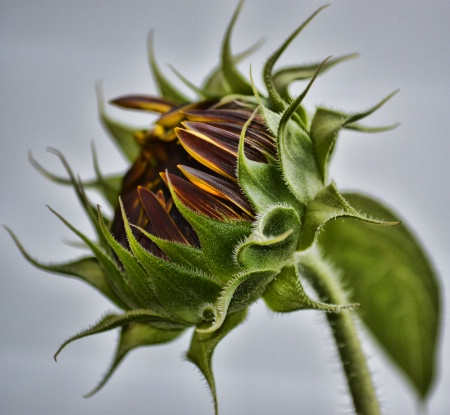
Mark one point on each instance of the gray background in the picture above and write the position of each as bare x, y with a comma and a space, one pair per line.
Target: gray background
51, 54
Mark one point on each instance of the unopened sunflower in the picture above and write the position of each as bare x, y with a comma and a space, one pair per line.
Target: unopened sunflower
223, 205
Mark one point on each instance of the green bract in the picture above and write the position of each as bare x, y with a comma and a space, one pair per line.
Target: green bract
250, 217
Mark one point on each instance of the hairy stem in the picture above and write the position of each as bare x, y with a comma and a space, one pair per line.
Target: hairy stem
326, 282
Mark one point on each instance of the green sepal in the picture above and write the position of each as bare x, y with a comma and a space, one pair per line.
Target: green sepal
238, 84
87, 269
135, 335
296, 154
181, 254
203, 93
241, 291
165, 88
390, 275
273, 240
276, 100
271, 118
325, 127
286, 293
112, 321
182, 291
327, 205
137, 277
261, 182
284, 77
78, 186
122, 134
202, 348
107, 186
116, 279
216, 84
218, 252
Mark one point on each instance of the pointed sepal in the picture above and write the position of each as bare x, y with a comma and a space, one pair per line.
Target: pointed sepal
202, 348
122, 134
327, 205
262, 183
132, 336
326, 125
286, 293
238, 84
87, 269
284, 77
181, 291
166, 89
273, 241
275, 98
218, 252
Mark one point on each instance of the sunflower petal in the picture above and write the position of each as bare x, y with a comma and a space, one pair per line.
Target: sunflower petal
198, 200
144, 102
211, 153
217, 187
162, 224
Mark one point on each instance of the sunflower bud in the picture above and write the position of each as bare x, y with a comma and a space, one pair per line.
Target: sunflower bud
224, 198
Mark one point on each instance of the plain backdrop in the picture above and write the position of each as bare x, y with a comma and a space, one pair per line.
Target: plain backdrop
51, 55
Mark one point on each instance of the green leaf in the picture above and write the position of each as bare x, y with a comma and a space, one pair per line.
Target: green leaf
202, 348
388, 273
327, 205
112, 321
122, 134
135, 335
237, 83
325, 128
286, 293
166, 89
273, 240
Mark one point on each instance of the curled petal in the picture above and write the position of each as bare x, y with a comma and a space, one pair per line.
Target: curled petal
198, 200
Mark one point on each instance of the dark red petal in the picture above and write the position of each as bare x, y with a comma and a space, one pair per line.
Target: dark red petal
198, 200
163, 225
228, 139
144, 102
224, 115
217, 187
216, 155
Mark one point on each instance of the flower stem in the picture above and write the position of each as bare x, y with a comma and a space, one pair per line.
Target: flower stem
326, 282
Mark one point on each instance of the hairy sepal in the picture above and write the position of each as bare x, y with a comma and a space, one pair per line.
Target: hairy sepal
326, 125
202, 348
262, 183
286, 293
218, 239
273, 240
329, 204
180, 290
